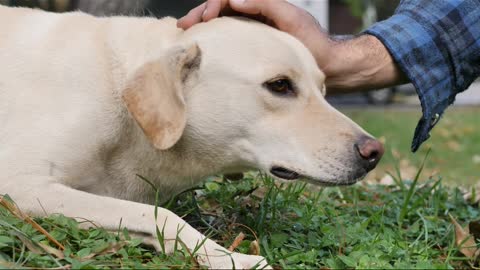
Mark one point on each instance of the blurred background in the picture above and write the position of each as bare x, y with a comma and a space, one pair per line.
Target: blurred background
390, 114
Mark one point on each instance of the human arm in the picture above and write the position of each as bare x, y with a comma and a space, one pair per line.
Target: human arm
437, 46
433, 44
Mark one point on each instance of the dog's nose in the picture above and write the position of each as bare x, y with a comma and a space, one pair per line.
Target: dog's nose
370, 151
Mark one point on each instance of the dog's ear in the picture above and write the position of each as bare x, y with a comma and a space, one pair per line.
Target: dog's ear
154, 96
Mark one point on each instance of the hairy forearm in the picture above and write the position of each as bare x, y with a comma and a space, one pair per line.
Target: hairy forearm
361, 63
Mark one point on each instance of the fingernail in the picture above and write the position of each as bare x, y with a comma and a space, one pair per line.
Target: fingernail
237, 2
204, 12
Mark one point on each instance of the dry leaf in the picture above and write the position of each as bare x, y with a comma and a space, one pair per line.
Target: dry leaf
31, 246
396, 154
52, 251
40, 248
254, 248
467, 130
465, 241
249, 202
260, 192
407, 170
111, 249
445, 133
454, 146
476, 159
387, 180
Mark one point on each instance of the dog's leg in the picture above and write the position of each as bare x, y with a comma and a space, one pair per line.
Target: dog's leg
39, 195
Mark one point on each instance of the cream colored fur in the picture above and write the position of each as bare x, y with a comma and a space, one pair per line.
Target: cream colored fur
87, 104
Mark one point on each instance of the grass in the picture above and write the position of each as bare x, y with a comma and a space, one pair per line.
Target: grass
22, 246
298, 226
454, 143
404, 225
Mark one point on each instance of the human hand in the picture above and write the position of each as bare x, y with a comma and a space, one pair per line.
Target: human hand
361, 63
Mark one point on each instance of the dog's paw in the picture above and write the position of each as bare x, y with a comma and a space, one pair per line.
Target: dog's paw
214, 256
233, 261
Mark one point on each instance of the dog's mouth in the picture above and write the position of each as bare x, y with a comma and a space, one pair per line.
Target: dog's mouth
284, 173
288, 174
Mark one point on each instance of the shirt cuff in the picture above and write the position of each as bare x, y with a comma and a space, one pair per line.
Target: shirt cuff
415, 48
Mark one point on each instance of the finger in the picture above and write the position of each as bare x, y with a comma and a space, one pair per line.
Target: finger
251, 7
193, 17
214, 7
277, 12
283, 14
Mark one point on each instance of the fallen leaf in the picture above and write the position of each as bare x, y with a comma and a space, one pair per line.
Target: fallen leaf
445, 133
249, 202
260, 192
454, 146
476, 159
31, 246
464, 240
111, 249
254, 248
387, 180
52, 251
39, 248
467, 130
396, 154
407, 170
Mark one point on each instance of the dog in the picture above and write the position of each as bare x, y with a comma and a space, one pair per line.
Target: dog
87, 104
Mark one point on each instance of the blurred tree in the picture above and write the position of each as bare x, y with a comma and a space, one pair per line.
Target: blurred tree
384, 8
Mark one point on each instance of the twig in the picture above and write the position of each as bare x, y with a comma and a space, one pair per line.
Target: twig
238, 240
17, 213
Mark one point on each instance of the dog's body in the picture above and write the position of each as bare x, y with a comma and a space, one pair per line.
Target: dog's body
87, 104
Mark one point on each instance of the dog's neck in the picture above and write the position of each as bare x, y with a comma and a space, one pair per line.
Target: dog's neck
175, 169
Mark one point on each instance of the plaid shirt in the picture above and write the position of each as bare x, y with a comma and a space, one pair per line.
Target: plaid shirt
437, 45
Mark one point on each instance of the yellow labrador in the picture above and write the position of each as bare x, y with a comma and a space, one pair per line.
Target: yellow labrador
87, 104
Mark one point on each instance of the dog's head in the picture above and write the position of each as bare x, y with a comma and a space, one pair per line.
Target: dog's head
247, 96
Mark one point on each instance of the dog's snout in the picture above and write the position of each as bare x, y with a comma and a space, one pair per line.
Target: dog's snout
370, 152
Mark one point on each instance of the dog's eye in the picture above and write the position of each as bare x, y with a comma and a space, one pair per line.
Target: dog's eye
280, 87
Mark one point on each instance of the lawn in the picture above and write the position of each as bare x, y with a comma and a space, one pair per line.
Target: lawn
454, 143
406, 224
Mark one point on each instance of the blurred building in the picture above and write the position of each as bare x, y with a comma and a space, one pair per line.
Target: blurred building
318, 8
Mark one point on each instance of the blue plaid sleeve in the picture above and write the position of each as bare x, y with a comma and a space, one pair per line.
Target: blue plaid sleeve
437, 45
